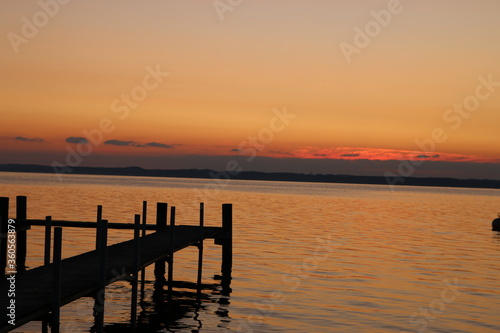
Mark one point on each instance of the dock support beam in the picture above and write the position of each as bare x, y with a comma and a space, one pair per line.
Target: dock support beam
171, 267
4, 219
101, 294
227, 247
144, 224
171, 253
46, 259
21, 235
137, 244
56, 281
48, 233
161, 224
161, 215
97, 229
200, 250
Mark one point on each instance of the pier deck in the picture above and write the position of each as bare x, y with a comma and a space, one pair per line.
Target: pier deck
80, 274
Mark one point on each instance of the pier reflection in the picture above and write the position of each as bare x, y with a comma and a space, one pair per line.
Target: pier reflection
189, 303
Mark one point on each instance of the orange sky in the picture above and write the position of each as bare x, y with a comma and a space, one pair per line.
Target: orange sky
228, 71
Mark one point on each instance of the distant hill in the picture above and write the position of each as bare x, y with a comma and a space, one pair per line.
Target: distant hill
254, 175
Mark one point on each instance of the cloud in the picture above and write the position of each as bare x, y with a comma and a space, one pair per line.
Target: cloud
138, 144
76, 139
350, 155
20, 138
283, 153
121, 143
236, 150
428, 156
320, 155
158, 145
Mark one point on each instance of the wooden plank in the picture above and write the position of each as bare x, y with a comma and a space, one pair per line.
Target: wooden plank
81, 224
80, 273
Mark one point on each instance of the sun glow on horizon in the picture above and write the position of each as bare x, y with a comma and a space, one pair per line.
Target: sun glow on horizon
171, 79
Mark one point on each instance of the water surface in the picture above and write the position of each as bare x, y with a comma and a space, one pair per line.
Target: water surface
308, 257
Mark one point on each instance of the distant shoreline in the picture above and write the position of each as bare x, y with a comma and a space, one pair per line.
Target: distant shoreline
255, 175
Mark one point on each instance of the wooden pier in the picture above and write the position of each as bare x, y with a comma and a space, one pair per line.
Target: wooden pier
40, 292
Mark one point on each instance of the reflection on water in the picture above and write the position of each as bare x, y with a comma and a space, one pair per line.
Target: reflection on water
307, 257
182, 312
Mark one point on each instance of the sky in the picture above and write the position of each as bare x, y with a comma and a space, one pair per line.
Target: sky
400, 88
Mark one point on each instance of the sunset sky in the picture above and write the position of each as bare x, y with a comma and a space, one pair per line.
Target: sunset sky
324, 86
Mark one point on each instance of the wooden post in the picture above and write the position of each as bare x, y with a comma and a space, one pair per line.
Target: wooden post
48, 229
144, 217
4, 219
227, 246
200, 247
21, 235
171, 268
56, 285
98, 230
161, 215
161, 224
144, 224
101, 294
171, 253
137, 240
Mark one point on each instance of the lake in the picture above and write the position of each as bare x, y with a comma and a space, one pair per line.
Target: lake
308, 257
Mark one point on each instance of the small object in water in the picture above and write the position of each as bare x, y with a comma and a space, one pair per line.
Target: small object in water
496, 223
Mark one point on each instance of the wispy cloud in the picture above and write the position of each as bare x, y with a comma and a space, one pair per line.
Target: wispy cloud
354, 153
20, 138
158, 145
121, 143
281, 153
136, 144
76, 139
428, 156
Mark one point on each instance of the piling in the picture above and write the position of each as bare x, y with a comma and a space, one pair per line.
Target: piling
21, 233
161, 215
137, 243
171, 267
227, 247
48, 231
56, 281
46, 262
161, 223
4, 220
101, 294
97, 230
200, 250
171, 253
144, 224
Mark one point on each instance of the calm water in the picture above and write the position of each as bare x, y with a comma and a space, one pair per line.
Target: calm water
307, 257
